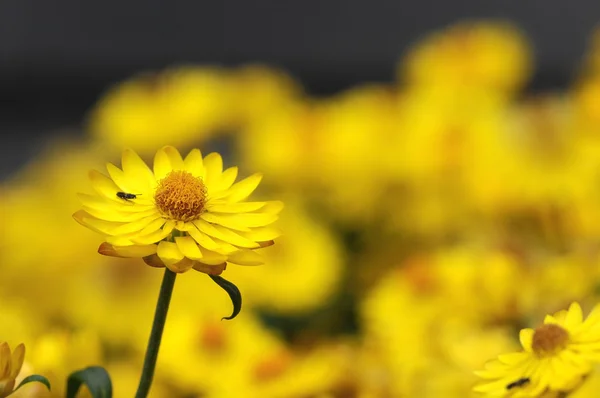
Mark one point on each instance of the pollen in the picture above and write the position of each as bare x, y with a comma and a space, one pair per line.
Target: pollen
180, 196
549, 339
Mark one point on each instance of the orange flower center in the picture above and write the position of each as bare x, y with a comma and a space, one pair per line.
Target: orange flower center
548, 339
180, 196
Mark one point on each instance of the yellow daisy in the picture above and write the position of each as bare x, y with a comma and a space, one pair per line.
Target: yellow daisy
555, 357
186, 213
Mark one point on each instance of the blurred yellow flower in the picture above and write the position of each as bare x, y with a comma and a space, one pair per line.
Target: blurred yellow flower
10, 366
556, 356
290, 130
303, 270
398, 326
118, 307
353, 135
482, 55
244, 359
421, 321
58, 352
225, 355
180, 106
259, 90
186, 214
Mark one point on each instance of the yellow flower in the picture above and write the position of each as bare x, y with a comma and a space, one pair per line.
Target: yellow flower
59, 351
244, 359
10, 366
191, 103
483, 55
187, 213
555, 357
302, 273
260, 90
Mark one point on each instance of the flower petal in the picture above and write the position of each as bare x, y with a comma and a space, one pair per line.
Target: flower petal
118, 241
131, 183
225, 248
122, 217
210, 269
230, 236
242, 207
153, 226
104, 185
224, 234
203, 239
137, 170
18, 356
136, 226
273, 207
225, 180
162, 165
193, 163
169, 253
513, 358
246, 257
182, 266
154, 237
261, 234
184, 226
211, 258
100, 226
594, 316
174, 158
240, 190
526, 338
227, 220
132, 251
5, 359
574, 316
118, 176
213, 168
101, 203
188, 246
256, 219
154, 261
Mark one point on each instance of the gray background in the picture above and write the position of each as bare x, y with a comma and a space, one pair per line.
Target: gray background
57, 56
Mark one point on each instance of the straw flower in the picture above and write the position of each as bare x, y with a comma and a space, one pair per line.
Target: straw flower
183, 214
556, 357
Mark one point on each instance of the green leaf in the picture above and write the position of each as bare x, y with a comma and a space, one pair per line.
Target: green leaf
34, 378
96, 379
234, 294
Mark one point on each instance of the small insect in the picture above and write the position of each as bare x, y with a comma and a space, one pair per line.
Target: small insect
518, 383
127, 196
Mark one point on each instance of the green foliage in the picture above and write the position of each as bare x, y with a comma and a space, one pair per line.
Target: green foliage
34, 378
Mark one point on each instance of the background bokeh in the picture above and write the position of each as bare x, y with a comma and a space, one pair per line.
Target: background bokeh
440, 166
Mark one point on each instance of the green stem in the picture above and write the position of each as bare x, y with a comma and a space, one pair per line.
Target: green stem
160, 316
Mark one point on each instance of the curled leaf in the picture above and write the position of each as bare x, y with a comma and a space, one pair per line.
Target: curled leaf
96, 379
234, 295
34, 378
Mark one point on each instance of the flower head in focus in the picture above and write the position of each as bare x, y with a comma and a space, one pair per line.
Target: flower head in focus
10, 366
183, 214
555, 357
